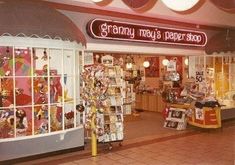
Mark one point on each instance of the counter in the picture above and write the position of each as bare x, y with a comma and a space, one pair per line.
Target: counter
149, 102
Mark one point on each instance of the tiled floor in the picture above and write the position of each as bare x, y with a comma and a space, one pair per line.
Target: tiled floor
192, 147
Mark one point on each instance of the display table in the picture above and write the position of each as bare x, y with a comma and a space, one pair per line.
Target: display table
206, 117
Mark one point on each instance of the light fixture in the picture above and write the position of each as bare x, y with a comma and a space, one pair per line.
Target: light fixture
146, 64
97, 1
165, 62
128, 65
180, 5
186, 61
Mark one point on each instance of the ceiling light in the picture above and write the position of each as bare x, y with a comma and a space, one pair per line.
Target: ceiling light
128, 65
97, 1
180, 5
146, 64
186, 61
165, 62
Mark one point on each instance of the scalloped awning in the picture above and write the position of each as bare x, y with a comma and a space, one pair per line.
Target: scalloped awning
36, 19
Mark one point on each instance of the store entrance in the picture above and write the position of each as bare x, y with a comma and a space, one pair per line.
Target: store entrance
146, 76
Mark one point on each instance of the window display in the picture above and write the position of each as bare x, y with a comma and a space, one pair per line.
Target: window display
217, 76
37, 91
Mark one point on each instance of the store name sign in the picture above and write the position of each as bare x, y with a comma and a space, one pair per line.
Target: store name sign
115, 30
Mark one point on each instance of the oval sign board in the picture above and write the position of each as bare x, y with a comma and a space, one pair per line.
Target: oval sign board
124, 31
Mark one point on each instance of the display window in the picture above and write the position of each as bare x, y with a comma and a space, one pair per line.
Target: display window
39, 90
215, 75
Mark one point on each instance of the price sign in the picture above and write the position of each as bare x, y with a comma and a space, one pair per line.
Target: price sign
199, 76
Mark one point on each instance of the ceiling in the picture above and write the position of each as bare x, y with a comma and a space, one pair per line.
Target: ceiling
206, 13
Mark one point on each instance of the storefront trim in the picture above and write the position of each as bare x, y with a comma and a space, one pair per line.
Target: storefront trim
124, 48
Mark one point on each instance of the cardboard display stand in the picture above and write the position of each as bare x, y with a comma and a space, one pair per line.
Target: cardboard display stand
176, 119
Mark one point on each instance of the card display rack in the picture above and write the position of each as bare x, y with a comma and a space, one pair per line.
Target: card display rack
112, 118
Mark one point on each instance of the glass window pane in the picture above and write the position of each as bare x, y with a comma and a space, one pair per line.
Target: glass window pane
55, 90
40, 61
7, 98
22, 62
6, 123
56, 117
23, 91
23, 121
40, 90
69, 115
68, 89
68, 62
6, 61
55, 61
41, 119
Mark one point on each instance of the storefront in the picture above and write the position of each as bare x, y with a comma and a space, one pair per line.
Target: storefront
40, 73
39, 81
134, 42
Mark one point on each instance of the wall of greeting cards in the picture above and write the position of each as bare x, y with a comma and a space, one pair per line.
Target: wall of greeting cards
38, 95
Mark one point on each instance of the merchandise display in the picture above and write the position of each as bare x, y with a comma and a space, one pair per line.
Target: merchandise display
103, 90
111, 120
33, 91
176, 118
206, 115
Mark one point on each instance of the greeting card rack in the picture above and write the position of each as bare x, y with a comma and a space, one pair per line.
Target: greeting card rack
111, 120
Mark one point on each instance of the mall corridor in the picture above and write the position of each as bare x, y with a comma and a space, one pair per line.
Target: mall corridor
197, 147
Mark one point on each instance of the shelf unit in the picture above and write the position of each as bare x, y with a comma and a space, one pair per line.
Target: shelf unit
112, 118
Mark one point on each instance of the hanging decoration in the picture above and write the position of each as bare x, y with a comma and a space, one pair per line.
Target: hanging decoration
44, 57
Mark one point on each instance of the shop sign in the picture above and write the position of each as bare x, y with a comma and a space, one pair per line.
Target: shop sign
115, 30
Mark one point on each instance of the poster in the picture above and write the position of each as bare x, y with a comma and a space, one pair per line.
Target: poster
153, 69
